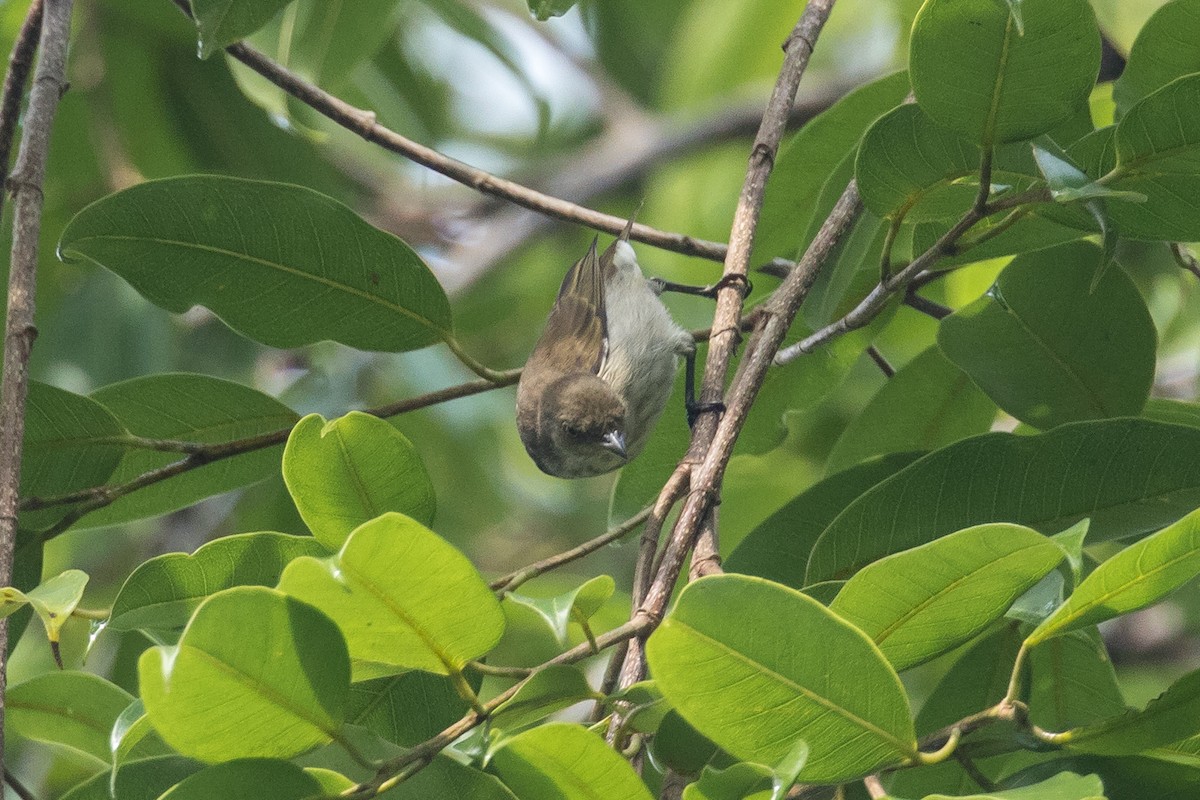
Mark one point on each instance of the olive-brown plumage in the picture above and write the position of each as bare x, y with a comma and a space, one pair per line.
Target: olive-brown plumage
602, 371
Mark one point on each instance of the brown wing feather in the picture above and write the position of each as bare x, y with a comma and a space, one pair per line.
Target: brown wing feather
576, 334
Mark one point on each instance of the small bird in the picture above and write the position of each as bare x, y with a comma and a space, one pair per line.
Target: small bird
602, 371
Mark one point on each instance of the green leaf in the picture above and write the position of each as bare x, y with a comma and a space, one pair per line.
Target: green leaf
1042, 344
647, 707
190, 408
727, 659
1138, 576
52, 600
73, 709
133, 737
223, 22
680, 746
1064, 786
342, 473
162, 593
71, 442
402, 596
239, 247
255, 674
558, 761
407, 708
1168, 718
778, 549
1158, 55
144, 779
937, 401
1158, 155
974, 71
909, 166
1073, 682
548, 691
737, 782
577, 605
446, 778
1069, 184
1047, 482
921, 603
247, 779
545, 9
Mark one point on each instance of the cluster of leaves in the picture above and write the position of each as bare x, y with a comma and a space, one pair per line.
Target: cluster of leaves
357, 660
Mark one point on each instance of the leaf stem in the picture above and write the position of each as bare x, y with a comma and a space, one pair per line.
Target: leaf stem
466, 692
487, 373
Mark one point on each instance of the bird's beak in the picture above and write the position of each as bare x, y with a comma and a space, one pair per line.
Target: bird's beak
615, 441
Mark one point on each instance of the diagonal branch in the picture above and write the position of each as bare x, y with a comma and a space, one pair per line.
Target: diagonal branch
49, 82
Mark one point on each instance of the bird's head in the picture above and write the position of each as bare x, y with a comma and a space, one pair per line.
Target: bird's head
581, 428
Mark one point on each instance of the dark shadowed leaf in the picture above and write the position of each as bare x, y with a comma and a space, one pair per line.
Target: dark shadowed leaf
223, 22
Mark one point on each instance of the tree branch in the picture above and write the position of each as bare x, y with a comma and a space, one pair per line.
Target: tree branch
25, 182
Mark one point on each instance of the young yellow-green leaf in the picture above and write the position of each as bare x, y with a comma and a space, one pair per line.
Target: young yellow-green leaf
974, 71
281, 264
1042, 341
1064, 786
1139, 575
549, 690
402, 596
255, 674
1073, 682
778, 549
342, 473
730, 658
189, 408
1047, 482
71, 442
921, 603
223, 22
1158, 155
247, 779
406, 708
559, 761
577, 605
937, 401
162, 593
52, 600
73, 709
1156, 57
1172, 716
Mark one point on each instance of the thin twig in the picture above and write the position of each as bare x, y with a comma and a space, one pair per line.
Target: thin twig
19, 789
884, 365
512, 580
25, 182
712, 437
926, 306
874, 787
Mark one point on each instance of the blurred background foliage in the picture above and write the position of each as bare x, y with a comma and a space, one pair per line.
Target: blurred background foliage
578, 106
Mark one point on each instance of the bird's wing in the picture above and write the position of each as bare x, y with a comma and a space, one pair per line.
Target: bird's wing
576, 334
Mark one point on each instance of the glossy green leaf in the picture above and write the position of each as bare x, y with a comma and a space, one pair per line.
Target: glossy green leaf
247, 779
778, 549
577, 605
1141, 574
402, 596
681, 747
1064, 786
133, 737
727, 659
239, 246
937, 401
342, 473
1047, 482
1073, 682
909, 166
52, 600
223, 22
1042, 342
1176, 412
162, 593
189, 408
1069, 184
741, 781
447, 778
255, 674
545, 9
921, 603
1157, 57
548, 691
406, 708
144, 779
1168, 718
73, 709
973, 71
647, 707
71, 442
1157, 146
558, 761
